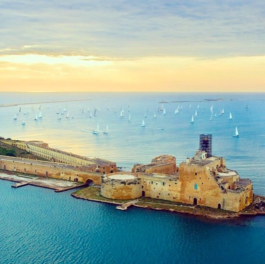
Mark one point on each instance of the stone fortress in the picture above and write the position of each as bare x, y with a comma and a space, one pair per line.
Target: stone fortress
202, 180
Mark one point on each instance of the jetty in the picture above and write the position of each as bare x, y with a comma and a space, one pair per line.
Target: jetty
125, 206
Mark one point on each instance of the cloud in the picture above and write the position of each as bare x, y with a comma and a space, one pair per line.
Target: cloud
129, 29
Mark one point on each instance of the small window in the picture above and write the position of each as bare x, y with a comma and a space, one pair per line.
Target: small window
195, 173
164, 183
195, 186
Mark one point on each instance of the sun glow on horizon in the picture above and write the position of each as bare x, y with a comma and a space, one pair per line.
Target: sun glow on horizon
39, 73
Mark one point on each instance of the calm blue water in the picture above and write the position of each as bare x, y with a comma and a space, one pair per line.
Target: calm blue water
40, 226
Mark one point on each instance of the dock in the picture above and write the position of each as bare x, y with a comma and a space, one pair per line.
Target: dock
125, 206
20, 184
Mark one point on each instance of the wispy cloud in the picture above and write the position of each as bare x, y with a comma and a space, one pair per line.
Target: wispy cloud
123, 29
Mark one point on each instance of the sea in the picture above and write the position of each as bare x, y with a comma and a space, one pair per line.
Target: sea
38, 225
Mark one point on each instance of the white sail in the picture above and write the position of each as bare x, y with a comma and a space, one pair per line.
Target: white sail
143, 124
40, 114
67, 116
230, 116
176, 111
236, 133
164, 111
121, 113
154, 115
192, 119
223, 111
15, 117
195, 114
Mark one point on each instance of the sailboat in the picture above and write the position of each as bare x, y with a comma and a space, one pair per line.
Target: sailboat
154, 115
230, 116
192, 119
36, 117
195, 113
222, 112
107, 130
121, 113
23, 123
15, 117
164, 111
143, 124
67, 116
97, 130
236, 133
145, 115
176, 111
40, 114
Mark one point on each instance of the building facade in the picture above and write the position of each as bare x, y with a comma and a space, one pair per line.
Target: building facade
198, 181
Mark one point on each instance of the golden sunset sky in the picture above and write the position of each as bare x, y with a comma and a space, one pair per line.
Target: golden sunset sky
174, 46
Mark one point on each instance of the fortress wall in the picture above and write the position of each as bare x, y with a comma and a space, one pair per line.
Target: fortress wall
121, 191
199, 186
42, 169
160, 188
67, 158
168, 168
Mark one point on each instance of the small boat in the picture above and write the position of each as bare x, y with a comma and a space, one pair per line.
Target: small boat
230, 116
145, 115
36, 117
107, 130
222, 112
154, 115
15, 117
176, 111
97, 130
23, 123
143, 124
164, 111
40, 114
67, 116
236, 133
121, 113
196, 113
192, 119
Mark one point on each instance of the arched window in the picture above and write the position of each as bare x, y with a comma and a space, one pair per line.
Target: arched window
195, 186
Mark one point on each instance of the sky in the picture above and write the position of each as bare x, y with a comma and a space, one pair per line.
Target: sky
132, 46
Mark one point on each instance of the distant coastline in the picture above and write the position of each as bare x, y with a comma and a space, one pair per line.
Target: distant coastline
46, 102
